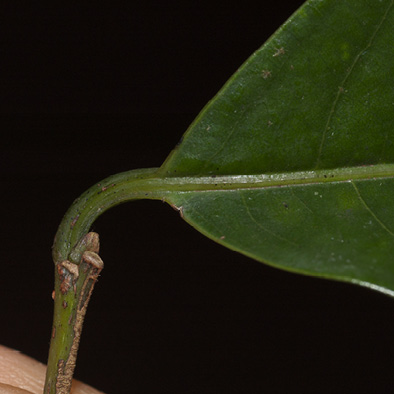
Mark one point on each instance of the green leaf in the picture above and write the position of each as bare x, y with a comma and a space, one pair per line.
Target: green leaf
293, 161
292, 164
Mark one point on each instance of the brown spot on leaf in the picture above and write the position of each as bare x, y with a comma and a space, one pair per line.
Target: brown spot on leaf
280, 51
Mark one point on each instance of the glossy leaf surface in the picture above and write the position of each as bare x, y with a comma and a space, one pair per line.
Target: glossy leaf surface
295, 157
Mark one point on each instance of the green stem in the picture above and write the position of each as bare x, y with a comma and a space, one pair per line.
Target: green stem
77, 267
112, 191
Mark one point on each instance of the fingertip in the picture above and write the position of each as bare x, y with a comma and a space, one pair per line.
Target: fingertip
8, 389
20, 374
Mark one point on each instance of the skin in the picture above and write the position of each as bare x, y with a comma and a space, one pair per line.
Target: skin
20, 374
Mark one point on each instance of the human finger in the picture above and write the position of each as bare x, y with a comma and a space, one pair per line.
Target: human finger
20, 374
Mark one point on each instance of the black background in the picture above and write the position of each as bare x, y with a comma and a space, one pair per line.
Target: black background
88, 92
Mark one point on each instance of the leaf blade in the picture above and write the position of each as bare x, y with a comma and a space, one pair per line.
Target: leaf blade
312, 99
324, 229
256, 114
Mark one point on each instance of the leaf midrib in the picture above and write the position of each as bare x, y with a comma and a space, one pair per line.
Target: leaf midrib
234, 182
